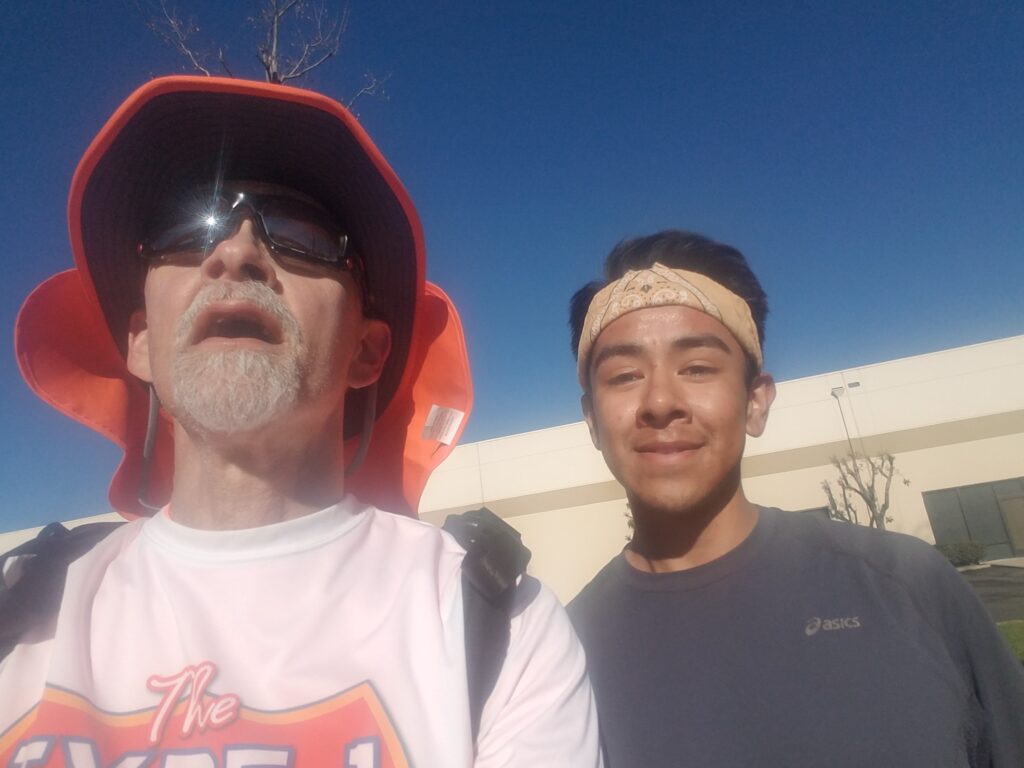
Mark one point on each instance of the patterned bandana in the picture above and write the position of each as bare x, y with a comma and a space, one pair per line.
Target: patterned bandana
662, 286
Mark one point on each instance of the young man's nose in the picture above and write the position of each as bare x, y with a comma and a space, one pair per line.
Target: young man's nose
663, 400
241, 256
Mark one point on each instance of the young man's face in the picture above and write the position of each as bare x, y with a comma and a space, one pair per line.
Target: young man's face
669, 408
240, 340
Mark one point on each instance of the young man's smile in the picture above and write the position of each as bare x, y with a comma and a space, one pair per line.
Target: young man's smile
668, 452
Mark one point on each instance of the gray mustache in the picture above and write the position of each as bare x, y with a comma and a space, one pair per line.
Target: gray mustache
256, 293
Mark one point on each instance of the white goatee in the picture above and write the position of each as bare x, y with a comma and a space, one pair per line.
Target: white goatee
236, 390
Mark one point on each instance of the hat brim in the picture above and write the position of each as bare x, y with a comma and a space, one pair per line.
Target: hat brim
68, 360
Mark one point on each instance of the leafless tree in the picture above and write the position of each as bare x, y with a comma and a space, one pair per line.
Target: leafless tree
298, 36
864, 481
180, 34
317, 37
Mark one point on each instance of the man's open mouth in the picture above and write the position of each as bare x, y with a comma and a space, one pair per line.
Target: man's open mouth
239, 322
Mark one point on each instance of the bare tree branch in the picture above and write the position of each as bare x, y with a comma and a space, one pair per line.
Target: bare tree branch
859, 478
297, 37
887, 468
176, 32
164, 20
317, 37
224, 62
836, 512
324, 42
850, 472
272, 14
374, 87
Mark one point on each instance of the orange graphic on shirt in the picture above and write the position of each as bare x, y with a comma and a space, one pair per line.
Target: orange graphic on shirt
350, 730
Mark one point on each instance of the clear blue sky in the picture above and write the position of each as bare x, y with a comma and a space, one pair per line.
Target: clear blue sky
868, 159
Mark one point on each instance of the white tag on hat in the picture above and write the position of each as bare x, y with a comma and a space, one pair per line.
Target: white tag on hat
442, 424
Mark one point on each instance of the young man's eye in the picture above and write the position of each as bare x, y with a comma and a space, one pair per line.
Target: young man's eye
622, 377
698, 370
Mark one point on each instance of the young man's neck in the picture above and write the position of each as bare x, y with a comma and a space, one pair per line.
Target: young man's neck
235, 484
664, 542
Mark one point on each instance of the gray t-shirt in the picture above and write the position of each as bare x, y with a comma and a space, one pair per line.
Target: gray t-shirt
813, 643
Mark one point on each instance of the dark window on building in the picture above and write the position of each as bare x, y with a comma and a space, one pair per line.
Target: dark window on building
991, 514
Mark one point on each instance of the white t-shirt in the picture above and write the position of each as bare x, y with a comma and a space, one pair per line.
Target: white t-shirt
335, 639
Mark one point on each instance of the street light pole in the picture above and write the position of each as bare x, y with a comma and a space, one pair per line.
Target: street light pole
836, 392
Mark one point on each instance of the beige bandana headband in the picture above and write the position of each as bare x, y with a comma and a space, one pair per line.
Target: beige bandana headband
661, 286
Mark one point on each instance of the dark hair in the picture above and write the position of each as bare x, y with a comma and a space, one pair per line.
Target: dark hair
679, 250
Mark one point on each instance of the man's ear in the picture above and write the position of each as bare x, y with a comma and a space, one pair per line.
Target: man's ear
138, 346
760, 397
587, 403
369, 357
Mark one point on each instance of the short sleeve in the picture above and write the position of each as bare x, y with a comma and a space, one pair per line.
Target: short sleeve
542, 709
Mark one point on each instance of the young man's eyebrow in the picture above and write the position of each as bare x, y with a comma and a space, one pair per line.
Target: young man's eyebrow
701, 340
615, 350
681, 343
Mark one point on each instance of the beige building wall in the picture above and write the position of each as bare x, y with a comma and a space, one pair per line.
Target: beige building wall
951, 418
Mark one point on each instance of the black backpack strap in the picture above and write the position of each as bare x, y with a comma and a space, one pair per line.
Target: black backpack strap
35, 596
495, 559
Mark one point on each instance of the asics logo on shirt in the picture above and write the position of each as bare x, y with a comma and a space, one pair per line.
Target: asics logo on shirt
815, 623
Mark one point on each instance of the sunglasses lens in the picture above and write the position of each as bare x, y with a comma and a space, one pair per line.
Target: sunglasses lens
196, 229
302, 229
293, 227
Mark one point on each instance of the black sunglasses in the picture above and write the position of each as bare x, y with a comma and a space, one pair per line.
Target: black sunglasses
289, 225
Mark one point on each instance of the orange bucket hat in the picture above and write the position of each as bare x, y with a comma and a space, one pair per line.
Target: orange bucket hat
175, 133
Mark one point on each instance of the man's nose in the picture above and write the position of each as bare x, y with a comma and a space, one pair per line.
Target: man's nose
664, 399
241, 256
